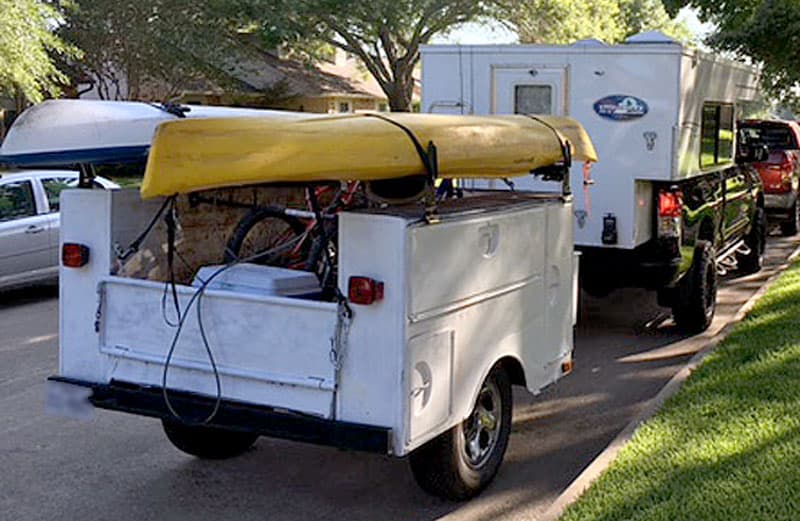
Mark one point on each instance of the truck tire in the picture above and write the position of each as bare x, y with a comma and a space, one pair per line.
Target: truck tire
461, 462
756, 241
790, 226
696, 301
208, 442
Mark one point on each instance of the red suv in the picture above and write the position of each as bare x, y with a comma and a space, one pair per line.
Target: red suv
780, 173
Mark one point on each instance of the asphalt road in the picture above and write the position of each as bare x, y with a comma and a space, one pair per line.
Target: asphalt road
122, 467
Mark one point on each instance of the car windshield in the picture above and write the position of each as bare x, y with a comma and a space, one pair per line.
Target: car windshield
776, 137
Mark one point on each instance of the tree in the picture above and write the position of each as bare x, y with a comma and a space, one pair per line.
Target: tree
561, 21
385, 35
27, 49
650, 15
151, 48
767, 31
565, 21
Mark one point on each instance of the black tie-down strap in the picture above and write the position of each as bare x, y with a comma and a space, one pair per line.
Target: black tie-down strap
556, 172
429, 159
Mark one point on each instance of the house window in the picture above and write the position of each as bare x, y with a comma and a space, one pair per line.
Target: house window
344, 106
533, 99
383, 107
716, 139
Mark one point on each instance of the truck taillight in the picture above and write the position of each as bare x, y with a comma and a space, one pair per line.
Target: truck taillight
670, 208
670, 204
786, 177
364, 290
74, 255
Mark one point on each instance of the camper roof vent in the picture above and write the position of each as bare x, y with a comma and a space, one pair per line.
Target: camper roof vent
651, 37
591, 42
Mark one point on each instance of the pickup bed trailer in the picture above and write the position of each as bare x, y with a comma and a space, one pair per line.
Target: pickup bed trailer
439, 314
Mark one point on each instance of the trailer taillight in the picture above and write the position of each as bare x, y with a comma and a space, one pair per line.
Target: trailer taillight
670, 204
364, 290
74, 255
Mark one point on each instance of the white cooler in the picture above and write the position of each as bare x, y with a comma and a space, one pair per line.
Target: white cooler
259, 280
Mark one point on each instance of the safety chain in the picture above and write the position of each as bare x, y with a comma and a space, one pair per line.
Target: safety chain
344, 318
98, 315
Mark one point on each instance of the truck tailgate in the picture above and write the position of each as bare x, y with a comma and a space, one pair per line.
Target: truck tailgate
272, 351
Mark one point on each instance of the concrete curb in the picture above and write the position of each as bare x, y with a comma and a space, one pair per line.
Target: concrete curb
609, 454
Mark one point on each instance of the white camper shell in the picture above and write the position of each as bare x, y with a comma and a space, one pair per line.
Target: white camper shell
641, 102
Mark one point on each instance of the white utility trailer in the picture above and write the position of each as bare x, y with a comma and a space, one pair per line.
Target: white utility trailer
482, 299
662, 117
440, 316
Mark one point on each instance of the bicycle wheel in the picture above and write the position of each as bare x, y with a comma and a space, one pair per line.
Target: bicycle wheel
269, 237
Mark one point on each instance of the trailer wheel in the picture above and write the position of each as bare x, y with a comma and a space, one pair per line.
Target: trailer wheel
208, 442
461, 462
756, 241
696, 304
790, 226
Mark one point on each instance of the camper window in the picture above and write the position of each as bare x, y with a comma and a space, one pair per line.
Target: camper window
716, 141
533, 99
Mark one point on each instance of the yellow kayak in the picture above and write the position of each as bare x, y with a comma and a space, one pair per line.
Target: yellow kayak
191, 155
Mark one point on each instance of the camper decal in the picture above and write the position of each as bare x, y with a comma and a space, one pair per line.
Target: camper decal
620, 107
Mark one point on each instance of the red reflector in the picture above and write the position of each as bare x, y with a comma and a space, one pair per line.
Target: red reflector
74, 255
670, 204
364, 290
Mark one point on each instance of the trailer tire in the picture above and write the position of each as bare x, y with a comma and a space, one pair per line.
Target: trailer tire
756, 241
696, 301
791, 225
208, 442
449, 466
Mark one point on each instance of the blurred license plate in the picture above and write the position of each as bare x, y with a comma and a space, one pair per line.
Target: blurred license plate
67, 400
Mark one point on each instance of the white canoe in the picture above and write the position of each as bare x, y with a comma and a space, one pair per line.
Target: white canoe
69, 132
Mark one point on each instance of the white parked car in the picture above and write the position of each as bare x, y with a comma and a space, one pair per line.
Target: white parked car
29, 224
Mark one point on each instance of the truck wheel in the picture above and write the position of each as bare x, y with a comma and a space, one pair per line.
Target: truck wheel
461, 462
790, 226
696, 304
208, 442
756, 241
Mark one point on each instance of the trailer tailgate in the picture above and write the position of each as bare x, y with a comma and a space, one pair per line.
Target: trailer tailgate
272, 351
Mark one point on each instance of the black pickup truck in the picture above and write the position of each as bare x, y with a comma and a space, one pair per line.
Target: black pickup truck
706, 226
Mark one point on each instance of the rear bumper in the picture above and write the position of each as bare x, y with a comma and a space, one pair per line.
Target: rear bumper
266, 421
776, 204
653, 265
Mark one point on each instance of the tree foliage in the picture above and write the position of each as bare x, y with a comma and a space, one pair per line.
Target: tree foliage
765, 30
151, 48
385, 35
27, 49
565, 21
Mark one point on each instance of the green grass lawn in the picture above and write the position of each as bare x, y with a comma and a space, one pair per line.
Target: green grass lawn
727, 446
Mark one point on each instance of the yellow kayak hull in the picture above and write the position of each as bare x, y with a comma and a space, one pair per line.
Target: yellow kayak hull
191, 155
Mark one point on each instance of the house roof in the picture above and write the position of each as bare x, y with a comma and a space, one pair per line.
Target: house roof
256, 70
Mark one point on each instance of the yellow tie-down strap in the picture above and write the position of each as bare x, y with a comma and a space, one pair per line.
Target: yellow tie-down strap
198, 154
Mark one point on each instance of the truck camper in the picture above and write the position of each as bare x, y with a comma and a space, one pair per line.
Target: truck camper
672, 203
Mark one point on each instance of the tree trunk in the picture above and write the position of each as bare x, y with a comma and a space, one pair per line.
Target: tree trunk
400, 95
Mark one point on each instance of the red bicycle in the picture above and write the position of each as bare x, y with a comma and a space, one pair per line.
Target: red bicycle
302, 239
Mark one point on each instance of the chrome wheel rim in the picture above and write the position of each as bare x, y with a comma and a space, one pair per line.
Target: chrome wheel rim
482, 428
